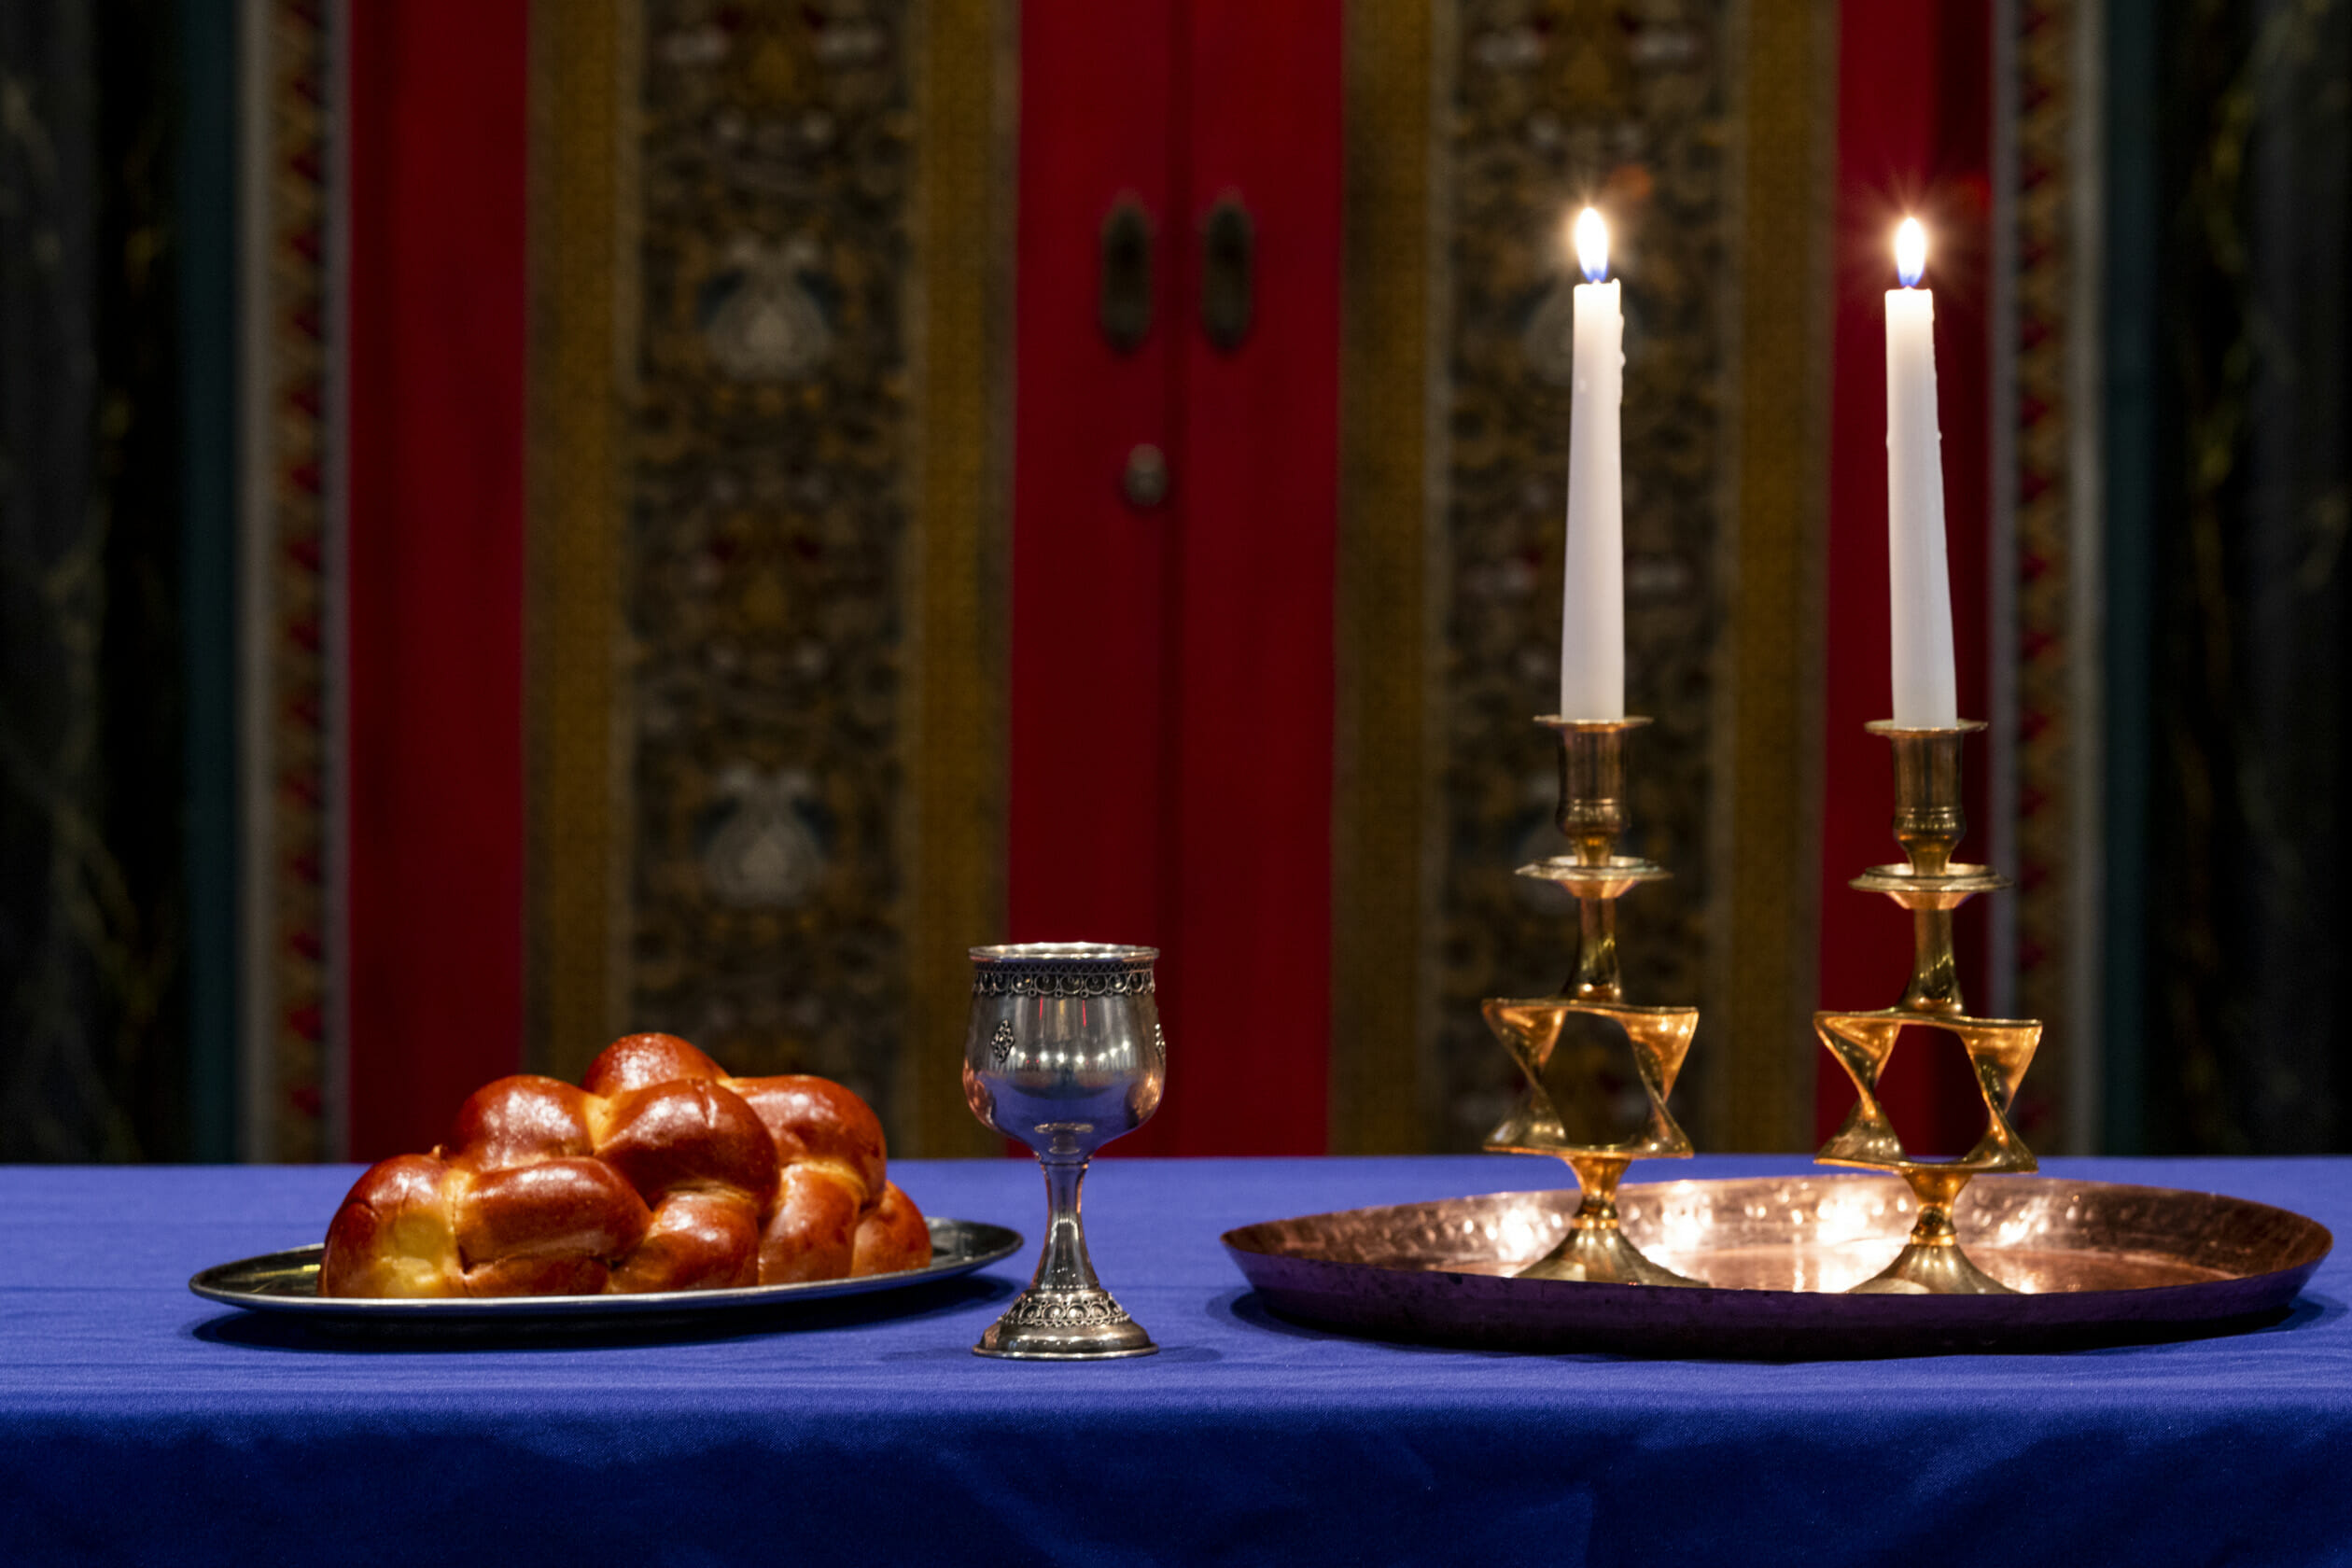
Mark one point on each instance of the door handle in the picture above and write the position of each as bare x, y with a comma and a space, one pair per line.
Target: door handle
1124, 299
1229, 259
1144, 479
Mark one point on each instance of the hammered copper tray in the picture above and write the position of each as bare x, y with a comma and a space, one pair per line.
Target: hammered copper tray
2097, 1264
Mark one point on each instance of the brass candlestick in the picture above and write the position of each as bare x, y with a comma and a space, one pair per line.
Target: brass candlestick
1593, 814
1929, 824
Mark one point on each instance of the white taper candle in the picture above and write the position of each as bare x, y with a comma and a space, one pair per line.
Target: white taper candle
1919, 586
1592, 612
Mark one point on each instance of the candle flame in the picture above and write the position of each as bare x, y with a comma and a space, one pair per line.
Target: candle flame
1910, 252
1592, 244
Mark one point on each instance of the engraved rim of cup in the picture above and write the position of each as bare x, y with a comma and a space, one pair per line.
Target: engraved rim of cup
1110, 955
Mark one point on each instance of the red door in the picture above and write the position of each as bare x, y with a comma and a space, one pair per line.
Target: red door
1175, 514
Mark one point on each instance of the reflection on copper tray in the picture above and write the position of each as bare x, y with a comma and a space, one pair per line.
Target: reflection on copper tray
2094, 1262
288, 1282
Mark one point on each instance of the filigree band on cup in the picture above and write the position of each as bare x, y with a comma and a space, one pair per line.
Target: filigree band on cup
1060, 980
1065, 1309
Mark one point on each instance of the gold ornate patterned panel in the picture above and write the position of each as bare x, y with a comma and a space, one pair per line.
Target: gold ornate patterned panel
583, 226
1476, 130
1389, 620
1752, 1085
764, 481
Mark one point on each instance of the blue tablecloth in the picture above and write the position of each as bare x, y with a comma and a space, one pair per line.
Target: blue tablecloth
138, 1422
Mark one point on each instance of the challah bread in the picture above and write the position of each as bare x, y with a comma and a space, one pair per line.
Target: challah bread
544, 1230
892, 1237
637, 1061
706, 1168
660, 1173
830, 1149
522, 1119
697, 1241
393, 1234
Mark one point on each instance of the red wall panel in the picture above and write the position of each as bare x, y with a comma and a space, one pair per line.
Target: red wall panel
436, 561
1914, 137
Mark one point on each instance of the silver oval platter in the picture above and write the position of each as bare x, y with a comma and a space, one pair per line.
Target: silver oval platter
287, 1284
2094, 1263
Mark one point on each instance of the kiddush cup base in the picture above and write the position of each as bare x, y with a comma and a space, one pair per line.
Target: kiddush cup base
1064, 1326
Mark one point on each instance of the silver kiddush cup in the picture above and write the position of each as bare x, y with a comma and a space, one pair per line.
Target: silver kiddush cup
1065, 1053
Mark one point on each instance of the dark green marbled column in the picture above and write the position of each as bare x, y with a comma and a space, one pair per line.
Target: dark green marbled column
92, 925
2232, 387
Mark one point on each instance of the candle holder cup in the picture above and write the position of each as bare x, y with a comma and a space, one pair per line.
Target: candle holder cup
1929, 824
1592, 813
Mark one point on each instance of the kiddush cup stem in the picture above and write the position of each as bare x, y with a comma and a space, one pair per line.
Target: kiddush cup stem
1065, 1266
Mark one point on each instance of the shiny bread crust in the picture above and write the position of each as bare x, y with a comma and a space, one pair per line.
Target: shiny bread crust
394, 1236
892, 1237
687, 1136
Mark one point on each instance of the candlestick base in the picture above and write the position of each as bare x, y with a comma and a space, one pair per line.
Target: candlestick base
1595, 1249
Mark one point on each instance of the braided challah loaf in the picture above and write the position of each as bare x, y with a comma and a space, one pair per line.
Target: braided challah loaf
660, 1173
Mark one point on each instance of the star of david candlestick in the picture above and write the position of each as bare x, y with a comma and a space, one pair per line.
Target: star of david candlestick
1929, 824
1593, 814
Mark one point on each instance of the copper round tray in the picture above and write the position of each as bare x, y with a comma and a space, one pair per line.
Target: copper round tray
2097, 1263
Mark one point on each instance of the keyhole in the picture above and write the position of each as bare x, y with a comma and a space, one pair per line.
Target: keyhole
1145, 481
